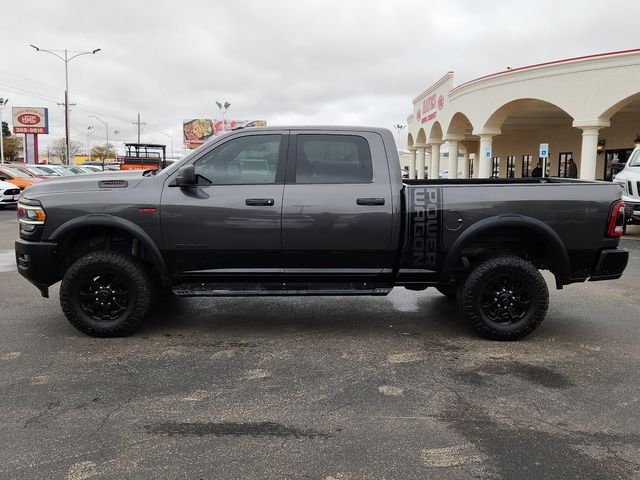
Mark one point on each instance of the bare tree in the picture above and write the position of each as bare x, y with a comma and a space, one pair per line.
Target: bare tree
103, 152
58, 149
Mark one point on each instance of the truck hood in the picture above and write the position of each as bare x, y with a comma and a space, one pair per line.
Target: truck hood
125, 180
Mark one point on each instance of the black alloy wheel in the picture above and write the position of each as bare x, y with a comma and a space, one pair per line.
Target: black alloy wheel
106, 294
504, 298
105, 297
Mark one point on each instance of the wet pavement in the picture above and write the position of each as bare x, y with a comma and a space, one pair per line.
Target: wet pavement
342, 388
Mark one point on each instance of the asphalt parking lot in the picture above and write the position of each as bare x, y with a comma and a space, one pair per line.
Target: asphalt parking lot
323, 388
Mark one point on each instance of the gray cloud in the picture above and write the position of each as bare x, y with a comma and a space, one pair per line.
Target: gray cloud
289, 62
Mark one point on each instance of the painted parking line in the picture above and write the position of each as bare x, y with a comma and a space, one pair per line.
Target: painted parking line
7, 261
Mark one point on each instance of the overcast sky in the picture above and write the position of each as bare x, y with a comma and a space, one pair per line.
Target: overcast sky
288, 62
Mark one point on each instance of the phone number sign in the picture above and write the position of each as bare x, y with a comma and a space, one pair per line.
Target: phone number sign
30, 120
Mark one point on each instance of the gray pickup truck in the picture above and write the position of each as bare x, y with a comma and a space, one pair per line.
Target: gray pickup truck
312, 211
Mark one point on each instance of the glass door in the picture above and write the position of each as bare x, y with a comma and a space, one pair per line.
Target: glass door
495, 167
563, 164
511, 166
526, 165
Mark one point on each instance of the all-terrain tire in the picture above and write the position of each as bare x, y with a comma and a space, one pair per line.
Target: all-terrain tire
521, 307
82, 292
449, 291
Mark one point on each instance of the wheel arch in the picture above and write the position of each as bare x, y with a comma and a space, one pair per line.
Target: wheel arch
550, 238
74, 226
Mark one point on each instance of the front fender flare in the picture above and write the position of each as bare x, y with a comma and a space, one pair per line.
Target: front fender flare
104, 220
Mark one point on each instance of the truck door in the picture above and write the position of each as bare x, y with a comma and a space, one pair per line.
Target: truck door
228, 225
337, 208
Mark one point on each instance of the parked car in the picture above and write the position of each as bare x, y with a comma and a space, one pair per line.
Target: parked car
319, 211
73, 169
90, 168
9, 194
9, 173
51, 170
445, 174
58, 169
36, 171
629, 179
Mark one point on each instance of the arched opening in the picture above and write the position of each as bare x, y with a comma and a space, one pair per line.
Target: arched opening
460, 125
460, 128
524, 125
421, 139
619, 139
409, 141
435, 134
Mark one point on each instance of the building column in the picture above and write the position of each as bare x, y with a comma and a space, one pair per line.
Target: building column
484, 163
453, 145
465, 163
589, 150
434, 169
589, 153
412, 163
420, 165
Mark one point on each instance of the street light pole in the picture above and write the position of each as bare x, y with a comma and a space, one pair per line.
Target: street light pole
223, 107
66, 59
89, 132
399, 128
3, 102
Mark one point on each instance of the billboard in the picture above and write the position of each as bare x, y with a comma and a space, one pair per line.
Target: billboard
30, 120
197, 131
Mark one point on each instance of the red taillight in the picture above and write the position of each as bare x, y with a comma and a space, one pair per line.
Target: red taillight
616, 220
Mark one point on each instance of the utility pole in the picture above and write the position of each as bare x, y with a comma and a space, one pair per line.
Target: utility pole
66, 59
139, 124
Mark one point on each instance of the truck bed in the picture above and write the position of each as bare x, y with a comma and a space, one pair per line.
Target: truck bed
450, 219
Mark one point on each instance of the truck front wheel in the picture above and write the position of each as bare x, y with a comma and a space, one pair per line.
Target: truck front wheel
106, 294
504, 298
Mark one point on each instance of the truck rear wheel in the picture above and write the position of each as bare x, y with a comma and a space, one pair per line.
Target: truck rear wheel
504, 298
106, 294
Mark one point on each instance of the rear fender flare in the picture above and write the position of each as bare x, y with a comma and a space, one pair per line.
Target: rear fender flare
550, 237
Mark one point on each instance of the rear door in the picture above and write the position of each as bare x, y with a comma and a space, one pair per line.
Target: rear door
229, 225
337, 208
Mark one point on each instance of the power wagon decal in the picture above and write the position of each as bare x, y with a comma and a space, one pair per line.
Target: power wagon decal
425, 222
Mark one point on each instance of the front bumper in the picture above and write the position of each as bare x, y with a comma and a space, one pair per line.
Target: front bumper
632, 211
36, 262
610, 265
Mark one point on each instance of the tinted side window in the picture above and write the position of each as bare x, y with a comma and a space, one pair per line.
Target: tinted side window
333, 159
247, 160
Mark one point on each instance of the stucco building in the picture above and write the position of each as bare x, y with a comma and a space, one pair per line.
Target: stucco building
585, 108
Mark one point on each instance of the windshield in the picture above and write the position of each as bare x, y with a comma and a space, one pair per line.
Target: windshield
15, 173
634, 161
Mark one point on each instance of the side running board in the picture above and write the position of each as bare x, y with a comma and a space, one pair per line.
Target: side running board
277, 289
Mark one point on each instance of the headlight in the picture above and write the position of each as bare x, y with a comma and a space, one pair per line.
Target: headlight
31, 214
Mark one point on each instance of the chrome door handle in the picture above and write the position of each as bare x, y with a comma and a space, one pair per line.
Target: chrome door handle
259, 202
370, 201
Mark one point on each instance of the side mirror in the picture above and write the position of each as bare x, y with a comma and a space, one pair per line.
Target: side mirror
186, 176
